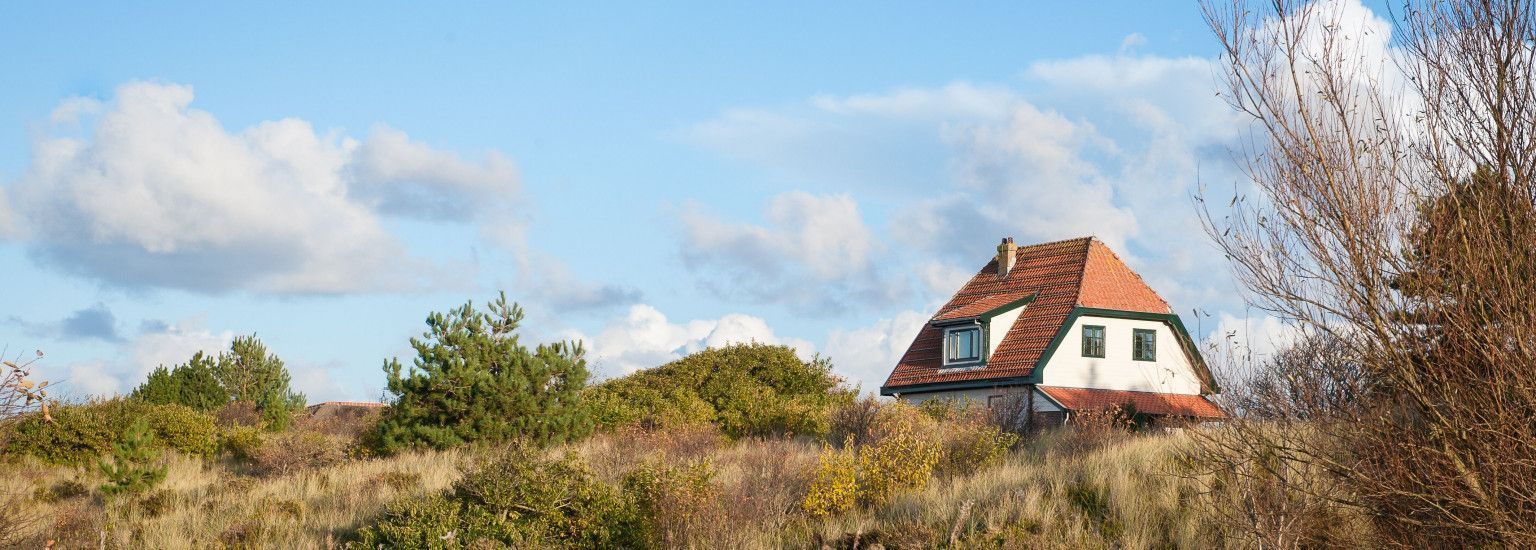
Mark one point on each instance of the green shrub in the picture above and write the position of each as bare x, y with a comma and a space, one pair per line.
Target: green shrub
249, 373
970, 444
835, 486
902, 458
472, 381
903, 447
79, 433
746, 390
184, 429
132, 467
517, 499
673, 502
192, 384
241, 442
82, 433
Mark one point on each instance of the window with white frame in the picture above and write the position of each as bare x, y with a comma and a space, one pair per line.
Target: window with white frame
962, 345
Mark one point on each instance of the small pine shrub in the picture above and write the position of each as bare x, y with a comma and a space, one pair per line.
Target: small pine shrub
132, 467
473, 381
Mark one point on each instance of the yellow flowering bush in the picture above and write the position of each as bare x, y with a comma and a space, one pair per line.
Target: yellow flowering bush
835, 488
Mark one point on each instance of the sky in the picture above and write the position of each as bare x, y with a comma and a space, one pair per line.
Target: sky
649, 180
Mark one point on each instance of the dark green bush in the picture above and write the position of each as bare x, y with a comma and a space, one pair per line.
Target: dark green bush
518, 500
133, 465
192, 384
747, 390
472, 381
249, 373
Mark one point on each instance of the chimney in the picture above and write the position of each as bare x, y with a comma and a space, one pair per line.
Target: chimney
1007, 252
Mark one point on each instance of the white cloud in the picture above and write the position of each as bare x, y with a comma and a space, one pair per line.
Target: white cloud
1111, 146
158, 344
866, 355
318, 384
399, 176
644, 338
159, 194
1253, 339
814, 254
87, 380
553, 283
7, 217
171, 345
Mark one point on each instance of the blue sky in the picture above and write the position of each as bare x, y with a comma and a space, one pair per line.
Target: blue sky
650, 180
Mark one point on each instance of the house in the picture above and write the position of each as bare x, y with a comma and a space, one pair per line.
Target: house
343, 409
1054, 329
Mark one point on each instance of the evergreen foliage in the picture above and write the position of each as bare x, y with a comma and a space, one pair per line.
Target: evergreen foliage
248, 372
473, 381
192, 384
746, 390
516, 500
132, 467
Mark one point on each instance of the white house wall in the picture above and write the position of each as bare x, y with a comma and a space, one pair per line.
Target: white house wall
1171, 373
998, 327
979, 397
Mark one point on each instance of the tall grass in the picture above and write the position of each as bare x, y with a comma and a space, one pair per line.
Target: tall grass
1050, 492
206, 504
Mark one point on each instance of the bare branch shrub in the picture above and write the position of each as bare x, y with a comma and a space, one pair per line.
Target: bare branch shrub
1393, 219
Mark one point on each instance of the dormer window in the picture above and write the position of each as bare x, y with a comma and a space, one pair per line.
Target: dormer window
962, 345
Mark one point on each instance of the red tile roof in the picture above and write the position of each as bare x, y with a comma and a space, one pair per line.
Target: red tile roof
1173, 404
1061, 275
348, 404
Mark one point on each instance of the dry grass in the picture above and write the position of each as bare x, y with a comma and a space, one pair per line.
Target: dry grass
205, 505
1122, 495
1051, 492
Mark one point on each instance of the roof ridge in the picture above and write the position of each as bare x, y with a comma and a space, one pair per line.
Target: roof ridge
1062, 241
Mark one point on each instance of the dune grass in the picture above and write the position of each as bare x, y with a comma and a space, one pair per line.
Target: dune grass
1047, 493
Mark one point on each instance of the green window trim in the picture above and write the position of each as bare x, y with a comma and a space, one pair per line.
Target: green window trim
1144, 344
1093, 341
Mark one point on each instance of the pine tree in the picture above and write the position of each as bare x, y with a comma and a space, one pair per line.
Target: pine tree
132, 467
473, 381
192, 384
248, 372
